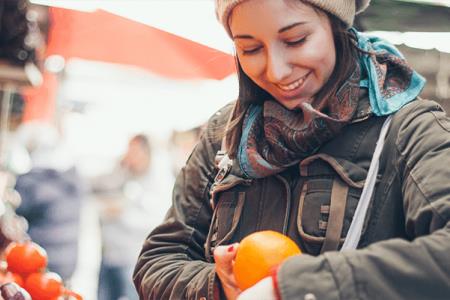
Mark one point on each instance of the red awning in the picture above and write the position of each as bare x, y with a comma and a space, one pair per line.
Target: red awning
107, 37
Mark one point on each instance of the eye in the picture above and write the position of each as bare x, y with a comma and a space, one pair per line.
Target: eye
251, 51
296, 42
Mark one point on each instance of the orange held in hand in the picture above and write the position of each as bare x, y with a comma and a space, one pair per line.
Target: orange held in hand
24, 258
259, 254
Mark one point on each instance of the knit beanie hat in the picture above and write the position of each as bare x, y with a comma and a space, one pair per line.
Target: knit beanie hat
345, 10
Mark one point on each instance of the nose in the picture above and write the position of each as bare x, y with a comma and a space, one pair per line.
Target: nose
277, 67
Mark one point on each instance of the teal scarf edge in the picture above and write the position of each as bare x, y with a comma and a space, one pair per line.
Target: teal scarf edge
382, 106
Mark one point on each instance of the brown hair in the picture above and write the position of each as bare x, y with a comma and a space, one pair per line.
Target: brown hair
249, 93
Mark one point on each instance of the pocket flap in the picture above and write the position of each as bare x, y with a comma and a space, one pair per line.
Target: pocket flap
324, 164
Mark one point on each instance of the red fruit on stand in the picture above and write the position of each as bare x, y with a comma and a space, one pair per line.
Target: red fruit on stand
18, 279
44, 286
25, 257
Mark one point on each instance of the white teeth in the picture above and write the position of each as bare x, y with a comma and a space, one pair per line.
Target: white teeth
292, 86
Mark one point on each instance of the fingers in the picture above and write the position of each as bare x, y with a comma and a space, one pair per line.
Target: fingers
224, 257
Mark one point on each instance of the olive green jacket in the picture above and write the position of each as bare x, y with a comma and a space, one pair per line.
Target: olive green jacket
404, 251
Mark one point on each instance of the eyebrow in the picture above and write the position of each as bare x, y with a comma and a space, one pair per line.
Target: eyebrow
286, 28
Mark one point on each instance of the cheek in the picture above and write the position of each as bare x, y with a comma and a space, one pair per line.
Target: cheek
322, 61
320, 55
329, 61
253, 66
328, 57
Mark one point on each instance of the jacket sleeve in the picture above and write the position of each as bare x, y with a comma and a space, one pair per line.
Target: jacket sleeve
394, 268
172, 263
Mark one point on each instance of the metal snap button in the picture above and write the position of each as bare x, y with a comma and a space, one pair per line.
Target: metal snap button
310, 296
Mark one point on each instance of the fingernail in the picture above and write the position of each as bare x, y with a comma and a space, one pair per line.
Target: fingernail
231, 248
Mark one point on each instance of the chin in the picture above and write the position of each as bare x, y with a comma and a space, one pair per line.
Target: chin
292, 107
293, 104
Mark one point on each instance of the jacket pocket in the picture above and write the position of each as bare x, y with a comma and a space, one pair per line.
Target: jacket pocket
327, 201
225, 219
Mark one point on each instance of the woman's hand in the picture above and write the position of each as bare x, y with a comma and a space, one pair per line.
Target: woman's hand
224, 258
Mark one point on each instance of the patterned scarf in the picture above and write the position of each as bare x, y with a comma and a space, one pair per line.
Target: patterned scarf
274, 138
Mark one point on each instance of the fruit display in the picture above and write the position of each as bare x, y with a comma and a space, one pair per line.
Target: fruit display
23, 275
259, 254
17, 253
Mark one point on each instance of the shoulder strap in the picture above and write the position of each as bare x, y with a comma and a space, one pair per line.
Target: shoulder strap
354, 232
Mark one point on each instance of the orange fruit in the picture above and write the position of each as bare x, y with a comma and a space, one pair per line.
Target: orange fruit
48, 286
17, 279
259, 254
25, 258
44, 286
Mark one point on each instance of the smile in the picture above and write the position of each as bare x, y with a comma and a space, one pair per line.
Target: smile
294, 85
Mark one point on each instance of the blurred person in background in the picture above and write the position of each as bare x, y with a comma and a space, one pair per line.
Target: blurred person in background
130, 205
52, 193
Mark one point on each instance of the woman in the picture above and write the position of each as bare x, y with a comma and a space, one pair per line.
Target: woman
298, 157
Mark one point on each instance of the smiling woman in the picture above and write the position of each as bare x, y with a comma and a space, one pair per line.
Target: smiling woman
328, 143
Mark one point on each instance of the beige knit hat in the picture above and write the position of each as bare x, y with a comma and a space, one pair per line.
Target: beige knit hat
343, 9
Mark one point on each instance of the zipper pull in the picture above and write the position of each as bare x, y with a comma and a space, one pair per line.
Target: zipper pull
224, 166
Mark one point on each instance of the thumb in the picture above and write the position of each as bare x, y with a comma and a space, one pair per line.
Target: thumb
224, 256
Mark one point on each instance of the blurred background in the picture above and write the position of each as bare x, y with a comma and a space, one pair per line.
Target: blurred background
103, 101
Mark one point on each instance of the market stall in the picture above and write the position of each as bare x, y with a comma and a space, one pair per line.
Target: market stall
23, 263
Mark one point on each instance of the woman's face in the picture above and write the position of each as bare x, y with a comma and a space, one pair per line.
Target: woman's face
285, 47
